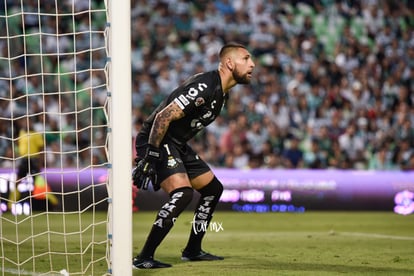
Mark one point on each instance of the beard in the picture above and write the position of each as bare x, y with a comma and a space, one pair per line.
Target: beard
240, 78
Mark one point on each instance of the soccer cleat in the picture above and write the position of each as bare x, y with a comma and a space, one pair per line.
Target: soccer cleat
200, 256
148, 264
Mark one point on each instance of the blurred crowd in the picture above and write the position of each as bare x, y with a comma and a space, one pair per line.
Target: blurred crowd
333, 85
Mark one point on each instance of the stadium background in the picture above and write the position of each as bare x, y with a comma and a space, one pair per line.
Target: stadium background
333, 86
333, 92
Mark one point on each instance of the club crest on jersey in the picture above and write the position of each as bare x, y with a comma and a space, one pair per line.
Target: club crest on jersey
199, 101
171, 163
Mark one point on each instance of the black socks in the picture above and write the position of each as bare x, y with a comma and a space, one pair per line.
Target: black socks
210, 195
179, 199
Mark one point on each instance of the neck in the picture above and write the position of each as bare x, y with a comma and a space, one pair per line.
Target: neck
227, 80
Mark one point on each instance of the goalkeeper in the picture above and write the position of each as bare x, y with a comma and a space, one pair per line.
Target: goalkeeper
166, 160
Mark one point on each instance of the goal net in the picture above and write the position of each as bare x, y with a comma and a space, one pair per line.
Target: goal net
57, 117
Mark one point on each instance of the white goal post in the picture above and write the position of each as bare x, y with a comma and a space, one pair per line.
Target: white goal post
120, 80
65, 137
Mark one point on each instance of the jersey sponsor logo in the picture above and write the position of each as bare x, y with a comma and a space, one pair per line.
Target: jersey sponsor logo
213, 104
196, 124
202, 86
207, 115
193, 92
199, 101
188, 97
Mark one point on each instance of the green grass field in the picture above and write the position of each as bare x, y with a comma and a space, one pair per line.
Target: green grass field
310, 243
33, 245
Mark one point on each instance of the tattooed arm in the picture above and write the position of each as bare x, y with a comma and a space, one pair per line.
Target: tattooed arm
162, 121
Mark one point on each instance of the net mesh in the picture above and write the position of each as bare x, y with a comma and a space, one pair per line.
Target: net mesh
53, 137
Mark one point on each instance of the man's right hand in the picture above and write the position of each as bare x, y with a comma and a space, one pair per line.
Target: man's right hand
145, 171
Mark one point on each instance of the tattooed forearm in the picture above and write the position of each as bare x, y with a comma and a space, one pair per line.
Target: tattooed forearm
162, 122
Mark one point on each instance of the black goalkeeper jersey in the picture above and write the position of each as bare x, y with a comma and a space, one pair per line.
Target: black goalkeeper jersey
201, 98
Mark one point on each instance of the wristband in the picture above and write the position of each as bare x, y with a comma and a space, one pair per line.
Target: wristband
153, 152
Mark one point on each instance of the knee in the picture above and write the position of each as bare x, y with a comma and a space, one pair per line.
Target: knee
219, 186
215, 187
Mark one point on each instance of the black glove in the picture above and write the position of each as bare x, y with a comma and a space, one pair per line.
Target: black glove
145, 171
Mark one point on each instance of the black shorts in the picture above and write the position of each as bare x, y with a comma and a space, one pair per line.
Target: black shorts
175, 158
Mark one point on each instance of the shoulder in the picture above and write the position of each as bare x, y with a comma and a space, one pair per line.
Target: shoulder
201, 84
206, 77
197, 91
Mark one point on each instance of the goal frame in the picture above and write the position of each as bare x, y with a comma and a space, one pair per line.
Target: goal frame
104, 48
120, 142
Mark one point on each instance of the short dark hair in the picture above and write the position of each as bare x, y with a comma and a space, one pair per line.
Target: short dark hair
230, 46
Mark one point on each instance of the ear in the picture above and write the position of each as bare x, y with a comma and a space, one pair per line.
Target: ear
229, 64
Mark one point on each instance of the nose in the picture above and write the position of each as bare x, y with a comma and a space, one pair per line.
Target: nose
252, 64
